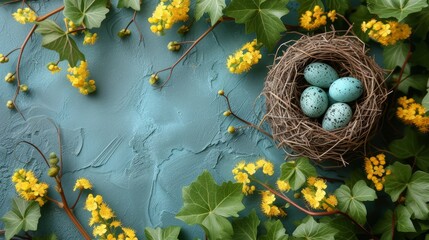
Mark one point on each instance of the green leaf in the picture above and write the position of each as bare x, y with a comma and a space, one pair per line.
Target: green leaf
305, 5
360, 15
416, 81
403, 220
54, 38
417, 189
169, 233
346, 229
246, 228
297, 172
260, 16
385, 226
419, 23
419, 56
23, 216
350, 201
425, 102
213, 7
134, 4
398, 9
89, 12
395, 55
312, 230
340, 6
275, 231
411, 146
207, 204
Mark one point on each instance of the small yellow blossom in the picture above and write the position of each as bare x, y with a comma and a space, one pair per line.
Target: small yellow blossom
100, 230
330, 203
315, 195
243, 59
167, 13
268, 207
90, 203
90, 38
268, 168
53, 67
25, 15
250, 168
413, 113
386, 33
374, 168
78, 77
283, 186
105, 212
82, 183
311, 20
29, 187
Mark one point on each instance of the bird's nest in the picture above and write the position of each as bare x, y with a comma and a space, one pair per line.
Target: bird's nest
285, 82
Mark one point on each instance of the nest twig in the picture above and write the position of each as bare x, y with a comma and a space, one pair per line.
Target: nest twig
285, 83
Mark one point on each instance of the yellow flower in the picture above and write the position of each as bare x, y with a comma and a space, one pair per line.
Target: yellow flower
283, 186
374, 168
243, 59
90, 203
129, 233
268, 168
29, 187
267, 206
53, 68
242, 177
105, 212
311, 20
167, 13
330, 203
82, 183
250, 168
413, 113
78, 77
25, 15
95, 218
115, 224
100, 230
90, 38
386, 33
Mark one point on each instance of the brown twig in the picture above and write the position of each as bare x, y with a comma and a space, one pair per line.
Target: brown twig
37, 149
133, 20
401, 72
245, 121
58, 203
171, 68
10, 2
77, 200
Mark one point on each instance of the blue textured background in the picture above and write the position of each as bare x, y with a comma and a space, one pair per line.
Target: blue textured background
139, 146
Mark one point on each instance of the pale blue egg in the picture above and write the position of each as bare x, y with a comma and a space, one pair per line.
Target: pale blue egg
346, 89
320, 74
337, 116
314, 102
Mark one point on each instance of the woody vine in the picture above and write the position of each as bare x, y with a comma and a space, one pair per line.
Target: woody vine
398, 168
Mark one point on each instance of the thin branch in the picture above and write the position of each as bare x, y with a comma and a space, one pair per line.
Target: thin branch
6, 3
2, 232
77, 200
171, 68
58, 203
16, 49
77, 30
133, 20
245, 121
37, 149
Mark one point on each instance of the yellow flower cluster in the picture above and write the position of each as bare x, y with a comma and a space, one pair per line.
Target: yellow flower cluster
167, 13
386, 33
242, 171
315, 195
374, 168
71, 26
53, 67
29, 187
25, 15
90, 38
78, 77
82, 183
413, 113
283, 186
105, 225
243, 59
268, 207
311, 20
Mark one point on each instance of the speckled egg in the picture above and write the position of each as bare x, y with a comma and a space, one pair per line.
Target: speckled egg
346, 89
314, 102
320, 74
337, 116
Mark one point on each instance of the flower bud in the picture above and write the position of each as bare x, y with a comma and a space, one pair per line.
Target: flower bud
227, 113
124, 33
183, 29
173, 46
23, 88
231, 130
3, 59
10, 78
10, 105
221, 92
153, 79
53, 162
53, 171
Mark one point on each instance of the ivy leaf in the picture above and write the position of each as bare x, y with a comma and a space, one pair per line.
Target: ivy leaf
346, 230
395, 55
297, 172
260, 16
23, 216
340, 6
384, 226
425, 103
360, 15
134, 4
398, 9
213, 7
246, 228
275, 231
417, 189
208, 204
54, 38
89, 12
419, 22
403, 221
411, 146
169, 233
312, 230
305, 5
416, 81
350, 201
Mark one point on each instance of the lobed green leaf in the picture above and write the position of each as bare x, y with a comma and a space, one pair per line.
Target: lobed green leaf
24, 215
88, 12
134, 4
275, 231
398, 9
312, 230
213, 7
297, 172
169, 233
246, 228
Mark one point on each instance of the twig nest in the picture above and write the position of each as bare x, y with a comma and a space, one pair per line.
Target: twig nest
285, 83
